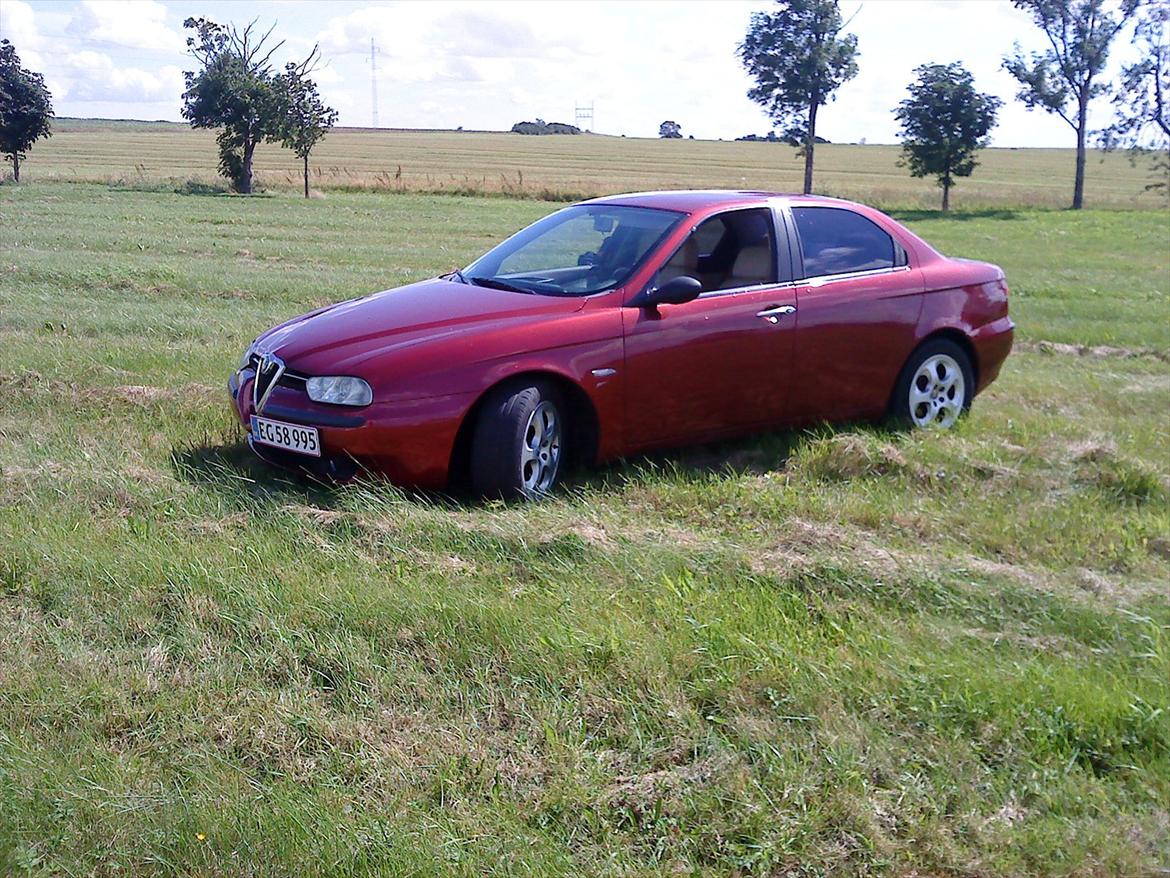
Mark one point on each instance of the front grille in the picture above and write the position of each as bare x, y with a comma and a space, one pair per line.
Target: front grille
288, 378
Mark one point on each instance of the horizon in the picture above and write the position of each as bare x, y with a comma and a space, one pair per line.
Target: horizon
443, 65
405, 130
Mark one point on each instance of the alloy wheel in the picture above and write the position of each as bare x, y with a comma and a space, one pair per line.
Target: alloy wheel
937, 392
540, 451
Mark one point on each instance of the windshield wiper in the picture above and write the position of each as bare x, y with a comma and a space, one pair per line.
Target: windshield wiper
496, 284
458, 275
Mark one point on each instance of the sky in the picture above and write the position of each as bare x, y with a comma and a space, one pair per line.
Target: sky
485, 65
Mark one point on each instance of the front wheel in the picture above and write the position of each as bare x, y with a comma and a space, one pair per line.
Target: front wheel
935, 387
518, 445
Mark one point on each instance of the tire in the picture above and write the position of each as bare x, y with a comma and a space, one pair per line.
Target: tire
518, 447
935, 387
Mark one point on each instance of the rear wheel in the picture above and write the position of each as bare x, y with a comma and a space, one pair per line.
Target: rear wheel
935, 387
518, 446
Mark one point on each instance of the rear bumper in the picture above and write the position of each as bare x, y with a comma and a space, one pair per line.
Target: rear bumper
410, 441
993, 343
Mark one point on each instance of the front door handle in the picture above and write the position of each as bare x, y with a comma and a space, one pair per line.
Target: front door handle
773, 313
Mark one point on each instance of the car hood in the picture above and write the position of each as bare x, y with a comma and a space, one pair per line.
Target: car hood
341, 338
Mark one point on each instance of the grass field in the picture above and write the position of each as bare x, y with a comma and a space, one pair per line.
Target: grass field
563, 167
819, 653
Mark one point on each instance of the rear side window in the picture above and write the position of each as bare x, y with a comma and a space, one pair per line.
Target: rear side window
838, 241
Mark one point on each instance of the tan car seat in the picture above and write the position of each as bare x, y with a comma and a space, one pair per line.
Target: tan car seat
753, 266
684, 263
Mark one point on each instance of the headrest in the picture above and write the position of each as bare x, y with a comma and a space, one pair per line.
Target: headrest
750, 227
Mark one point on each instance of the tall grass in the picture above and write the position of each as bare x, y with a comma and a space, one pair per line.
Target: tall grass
834, 651
564, 168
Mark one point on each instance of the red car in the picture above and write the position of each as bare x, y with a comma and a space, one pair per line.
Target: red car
623, 324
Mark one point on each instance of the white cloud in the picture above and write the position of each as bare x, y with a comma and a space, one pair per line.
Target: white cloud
18, 26
446, 63
488, 66
93, 76
327, 75
134, 24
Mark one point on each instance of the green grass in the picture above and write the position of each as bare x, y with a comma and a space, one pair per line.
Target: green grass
836, 651
569, 168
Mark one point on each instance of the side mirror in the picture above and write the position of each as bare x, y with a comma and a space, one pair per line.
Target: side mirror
678, 291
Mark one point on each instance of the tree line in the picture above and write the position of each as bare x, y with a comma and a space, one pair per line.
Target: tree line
799, 55
236, 91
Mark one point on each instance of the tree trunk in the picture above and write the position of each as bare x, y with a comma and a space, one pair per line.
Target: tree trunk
809, 146
16, 167
246, 170
306, 158
946, 197
1079, 185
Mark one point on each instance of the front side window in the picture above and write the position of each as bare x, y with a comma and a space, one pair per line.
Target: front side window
728, 251
834, 240
577, 251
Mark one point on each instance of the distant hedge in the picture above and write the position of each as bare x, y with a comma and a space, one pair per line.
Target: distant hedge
790, 139
542, 127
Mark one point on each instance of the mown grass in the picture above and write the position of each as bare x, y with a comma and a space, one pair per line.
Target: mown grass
573, 167
835, 651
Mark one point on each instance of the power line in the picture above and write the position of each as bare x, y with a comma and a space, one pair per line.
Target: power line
583, 116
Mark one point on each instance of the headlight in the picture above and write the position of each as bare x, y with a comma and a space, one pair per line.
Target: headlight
339, 390
248, 351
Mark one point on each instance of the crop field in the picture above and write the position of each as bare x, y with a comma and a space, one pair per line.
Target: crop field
837, 651
574, 167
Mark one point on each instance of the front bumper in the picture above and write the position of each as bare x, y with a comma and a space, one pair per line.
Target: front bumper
408, 441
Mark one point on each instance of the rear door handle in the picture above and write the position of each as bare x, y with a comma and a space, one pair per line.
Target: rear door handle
773, 313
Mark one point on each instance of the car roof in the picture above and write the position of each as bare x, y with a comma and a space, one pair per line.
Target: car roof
693, 200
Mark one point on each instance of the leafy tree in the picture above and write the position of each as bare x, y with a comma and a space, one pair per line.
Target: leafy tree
1062, 79
944, 121
304, 118
234, 91
670, 130
798, 57
1141, 99
25, 107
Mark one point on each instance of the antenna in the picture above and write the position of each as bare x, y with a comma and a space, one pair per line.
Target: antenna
583, 116
374, 51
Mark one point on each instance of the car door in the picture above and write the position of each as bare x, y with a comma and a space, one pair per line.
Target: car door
719, 364
859, 301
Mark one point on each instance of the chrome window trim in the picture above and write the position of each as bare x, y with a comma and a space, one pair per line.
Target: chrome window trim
820, 280
817, 281
754, 288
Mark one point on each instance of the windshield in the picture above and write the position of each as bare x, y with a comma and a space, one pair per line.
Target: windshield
578, 251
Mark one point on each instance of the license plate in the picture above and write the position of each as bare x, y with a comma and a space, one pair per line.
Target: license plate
290, 437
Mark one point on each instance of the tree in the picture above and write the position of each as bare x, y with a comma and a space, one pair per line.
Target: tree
1141, 99
944, 121
25, 108
670, 130
542, 127
234, 91
798, 58
1062, 79
304, 118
